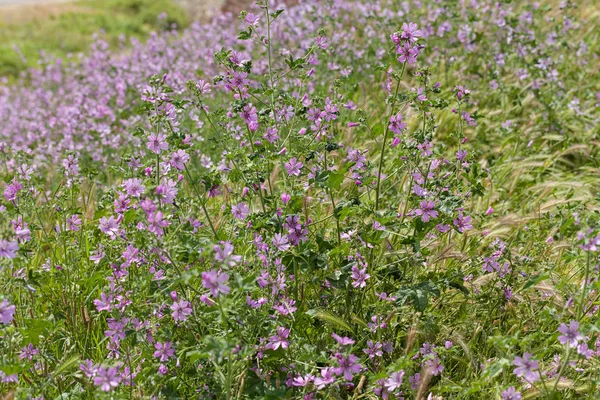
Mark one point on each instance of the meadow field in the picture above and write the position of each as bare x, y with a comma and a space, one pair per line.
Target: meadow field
325, 199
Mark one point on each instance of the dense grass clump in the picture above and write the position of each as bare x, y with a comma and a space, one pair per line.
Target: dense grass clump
340, 199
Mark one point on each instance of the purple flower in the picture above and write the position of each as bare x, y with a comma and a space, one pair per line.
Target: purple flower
240, 211
407, 53
110, 226
179, 158
28, 352
463, 222
11, 191
215, 282
325, 379
74, 222
526, 368
343, 341
88, 368
511, 394
301, 381
251, 19
8, 249
427, 210
435, 366
410, 32
359, 277
373, 349
163, 351
107, 378
394, 381
570, 335
271, 135
157, 143
396, 125
225, 254
7, 312
156, 223
134, 187
279, 340
181, 310
293, 167
281, 242
348, 366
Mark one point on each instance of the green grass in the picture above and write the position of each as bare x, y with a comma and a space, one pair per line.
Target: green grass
73, 30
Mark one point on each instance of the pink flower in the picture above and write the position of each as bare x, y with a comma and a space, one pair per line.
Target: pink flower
279, 340
325, 379
7, 312
293, 167
181, 310
179, 158
348, 366
163, 351
107, 378
240, 211
157, 143
8, 249
110, 226
394, 381
215, 282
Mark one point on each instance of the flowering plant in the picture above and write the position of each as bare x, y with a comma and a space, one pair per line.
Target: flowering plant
323, 201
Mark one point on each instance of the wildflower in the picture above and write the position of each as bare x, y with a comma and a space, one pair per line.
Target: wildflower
110, 226
343, 341
373, 349
435, 366
271, 135
396, 125
293, 167
7, 312
240, 211
88, 368
325, 379
380, 390
427, 210
252, 19
8, 249
73, 223
463, 222
157, 143
279, 340
407, 53
281, 242
394, 381
526, 368
215, 282
410, 32
156, 223
570, 335
107, 378
301, 381
28, 352
179, 158
225, 254
181, 309
511, 394
164, 351
359, 277
348, 366
203, 86
11, 190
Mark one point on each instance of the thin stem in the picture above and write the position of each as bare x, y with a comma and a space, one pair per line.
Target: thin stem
385, 137
201, 203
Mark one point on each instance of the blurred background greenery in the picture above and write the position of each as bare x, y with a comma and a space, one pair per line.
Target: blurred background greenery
68, 27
